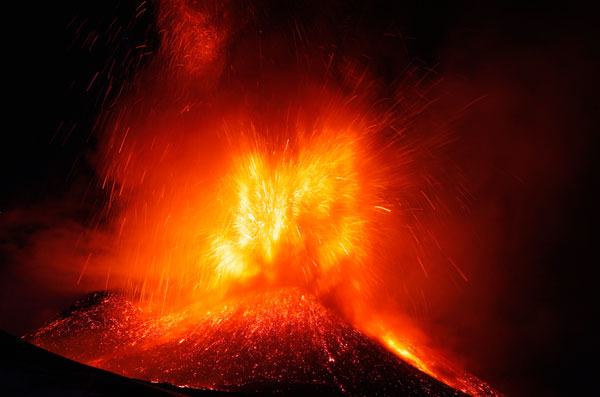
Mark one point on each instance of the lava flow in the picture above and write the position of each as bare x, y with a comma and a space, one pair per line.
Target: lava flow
258, 232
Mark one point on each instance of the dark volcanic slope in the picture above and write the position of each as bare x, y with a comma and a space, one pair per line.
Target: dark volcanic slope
99, 324
274, 341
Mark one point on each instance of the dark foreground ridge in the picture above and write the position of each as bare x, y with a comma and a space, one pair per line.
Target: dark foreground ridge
29, 370
278, 341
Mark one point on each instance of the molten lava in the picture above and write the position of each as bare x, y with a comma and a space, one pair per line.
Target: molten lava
295, 214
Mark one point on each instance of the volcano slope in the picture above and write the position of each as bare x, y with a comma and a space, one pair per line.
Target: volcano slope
276, 341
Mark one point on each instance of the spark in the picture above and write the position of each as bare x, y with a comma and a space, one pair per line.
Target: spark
382, 208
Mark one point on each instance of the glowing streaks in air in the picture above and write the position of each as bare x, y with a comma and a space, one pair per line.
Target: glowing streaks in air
304, 201
382, 208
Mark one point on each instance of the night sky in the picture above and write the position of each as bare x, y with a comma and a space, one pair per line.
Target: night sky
523, 323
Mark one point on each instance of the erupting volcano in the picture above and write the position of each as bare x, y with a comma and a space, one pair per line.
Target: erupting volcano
277, 341
269, 212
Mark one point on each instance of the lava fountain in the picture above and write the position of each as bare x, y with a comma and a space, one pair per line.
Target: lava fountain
263, 219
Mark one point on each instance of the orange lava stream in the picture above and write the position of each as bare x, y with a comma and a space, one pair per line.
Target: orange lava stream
427, 360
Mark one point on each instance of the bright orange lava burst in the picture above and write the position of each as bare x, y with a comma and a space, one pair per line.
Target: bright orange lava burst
295, 214
304, 213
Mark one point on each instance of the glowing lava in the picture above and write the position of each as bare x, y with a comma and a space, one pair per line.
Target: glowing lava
296, 215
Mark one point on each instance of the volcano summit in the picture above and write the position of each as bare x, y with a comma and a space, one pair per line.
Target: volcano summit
275, 341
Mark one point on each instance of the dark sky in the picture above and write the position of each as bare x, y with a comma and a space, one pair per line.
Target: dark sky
537, 64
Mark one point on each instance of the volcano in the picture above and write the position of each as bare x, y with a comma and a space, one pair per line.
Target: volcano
272, 341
